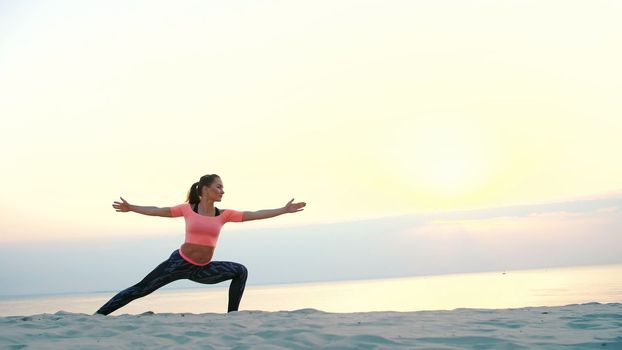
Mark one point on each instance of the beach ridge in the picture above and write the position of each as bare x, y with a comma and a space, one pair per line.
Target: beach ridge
573, 326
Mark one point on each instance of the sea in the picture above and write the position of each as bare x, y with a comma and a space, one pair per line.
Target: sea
485, 290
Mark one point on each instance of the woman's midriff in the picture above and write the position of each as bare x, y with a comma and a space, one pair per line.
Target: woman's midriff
198, 254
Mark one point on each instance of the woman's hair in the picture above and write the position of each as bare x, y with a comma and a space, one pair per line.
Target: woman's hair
195, 189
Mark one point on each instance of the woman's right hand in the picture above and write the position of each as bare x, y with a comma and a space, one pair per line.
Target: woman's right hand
121, 206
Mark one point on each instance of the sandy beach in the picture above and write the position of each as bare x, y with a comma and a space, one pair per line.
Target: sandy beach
584, 326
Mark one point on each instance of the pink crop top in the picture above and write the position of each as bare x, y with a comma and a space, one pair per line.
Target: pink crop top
201, 229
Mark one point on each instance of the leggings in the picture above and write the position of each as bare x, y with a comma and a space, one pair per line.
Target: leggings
176, 268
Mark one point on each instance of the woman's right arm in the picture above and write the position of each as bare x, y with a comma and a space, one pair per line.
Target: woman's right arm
124, 206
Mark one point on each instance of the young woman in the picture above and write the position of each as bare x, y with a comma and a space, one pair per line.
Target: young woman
193, 260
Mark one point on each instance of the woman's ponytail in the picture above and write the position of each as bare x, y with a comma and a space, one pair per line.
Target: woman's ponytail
193, 194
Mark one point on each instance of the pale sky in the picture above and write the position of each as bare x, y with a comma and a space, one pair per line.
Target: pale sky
577, 233
363, 109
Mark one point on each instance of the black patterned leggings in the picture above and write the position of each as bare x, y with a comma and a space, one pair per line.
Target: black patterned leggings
176, 268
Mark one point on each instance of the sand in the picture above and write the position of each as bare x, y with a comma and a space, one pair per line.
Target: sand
585, 326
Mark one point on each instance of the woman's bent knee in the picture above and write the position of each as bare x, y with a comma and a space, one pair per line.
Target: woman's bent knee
243, 273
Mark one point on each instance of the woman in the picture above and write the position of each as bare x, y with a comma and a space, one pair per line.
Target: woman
193, 260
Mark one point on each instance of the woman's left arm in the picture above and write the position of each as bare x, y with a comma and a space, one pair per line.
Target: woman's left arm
290, 207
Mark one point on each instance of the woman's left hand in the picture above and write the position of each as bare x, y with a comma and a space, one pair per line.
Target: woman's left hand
292, 207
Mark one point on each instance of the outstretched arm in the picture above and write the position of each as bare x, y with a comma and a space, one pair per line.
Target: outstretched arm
124, 206
290, 207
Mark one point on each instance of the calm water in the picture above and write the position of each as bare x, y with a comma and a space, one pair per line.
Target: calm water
512, 289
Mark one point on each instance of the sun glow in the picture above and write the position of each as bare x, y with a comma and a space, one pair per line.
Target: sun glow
445, 158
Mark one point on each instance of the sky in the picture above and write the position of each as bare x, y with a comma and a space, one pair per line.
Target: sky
503, 239
362, 109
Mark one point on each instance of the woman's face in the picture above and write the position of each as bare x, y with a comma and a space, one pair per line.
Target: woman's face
215, 191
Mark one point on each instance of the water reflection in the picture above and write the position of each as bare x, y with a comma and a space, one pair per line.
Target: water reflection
511, 289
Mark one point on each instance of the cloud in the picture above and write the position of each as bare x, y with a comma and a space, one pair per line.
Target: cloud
544, 235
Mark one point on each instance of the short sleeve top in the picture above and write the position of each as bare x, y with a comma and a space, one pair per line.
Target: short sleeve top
201, 229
